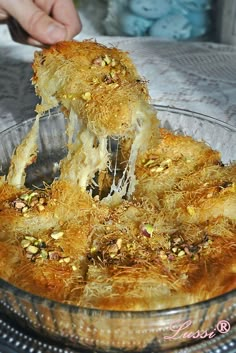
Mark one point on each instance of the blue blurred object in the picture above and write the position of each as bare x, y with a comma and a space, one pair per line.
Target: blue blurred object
165, 19
134, 25
151, 9
200, 22
174, 26
194, 5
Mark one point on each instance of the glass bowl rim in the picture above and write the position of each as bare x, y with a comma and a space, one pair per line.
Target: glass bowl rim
20, 293
76, 309
167, 108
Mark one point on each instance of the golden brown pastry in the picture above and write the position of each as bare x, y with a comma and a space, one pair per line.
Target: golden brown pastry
100, 84
158, 232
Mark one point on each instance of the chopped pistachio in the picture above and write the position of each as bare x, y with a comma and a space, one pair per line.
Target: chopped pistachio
157, 169
57, 235
18, 204
174, 249
209, 195
44, 254
115, 248
42, 200
107, 59
181, 253
171, 257
86, 96
34, 193
33, 203
54, 255
147, 230
177, 240
25, 243
113, 75
191, 210
166, 163
93, 249
40, 207
66, 259
25, 209
95, 80
99, 62
108, 79
113, 62
184, 276
25, 197
32, 249
32, 239
163, 255
119, 243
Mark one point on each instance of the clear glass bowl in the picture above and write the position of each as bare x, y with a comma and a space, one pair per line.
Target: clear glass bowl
115, 331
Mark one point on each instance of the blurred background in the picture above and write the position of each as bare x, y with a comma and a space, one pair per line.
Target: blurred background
173, 20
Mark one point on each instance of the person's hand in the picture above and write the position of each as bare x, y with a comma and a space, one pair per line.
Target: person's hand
39, 22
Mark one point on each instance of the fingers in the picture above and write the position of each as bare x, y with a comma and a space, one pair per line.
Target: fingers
3, 15
62, 24
35, 22
64, 12
19, 35
45, 5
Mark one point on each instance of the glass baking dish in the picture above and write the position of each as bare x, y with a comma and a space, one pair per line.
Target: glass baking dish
89, 329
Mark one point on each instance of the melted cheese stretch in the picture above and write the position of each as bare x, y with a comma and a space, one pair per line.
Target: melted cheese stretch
89, 154
24, 155
142, 125
86, 156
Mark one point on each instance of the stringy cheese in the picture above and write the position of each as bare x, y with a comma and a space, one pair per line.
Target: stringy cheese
25, 154
86, 156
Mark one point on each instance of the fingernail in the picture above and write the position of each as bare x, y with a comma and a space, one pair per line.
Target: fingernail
56, 32
34, 42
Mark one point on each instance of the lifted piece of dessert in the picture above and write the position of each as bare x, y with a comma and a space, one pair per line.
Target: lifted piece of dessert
99, 86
